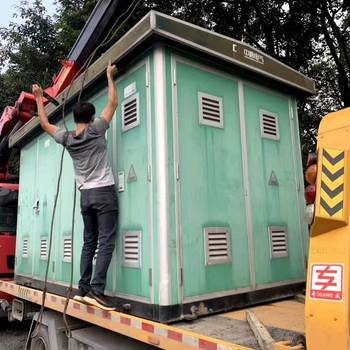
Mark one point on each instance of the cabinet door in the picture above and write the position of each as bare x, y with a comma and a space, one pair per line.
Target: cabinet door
45, 191
210, 194
25, 238
132, 158
275, 203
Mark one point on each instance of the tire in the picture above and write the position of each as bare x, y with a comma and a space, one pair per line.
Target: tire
41, 340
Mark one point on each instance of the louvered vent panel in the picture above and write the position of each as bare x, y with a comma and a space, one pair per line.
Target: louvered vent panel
25, 248
278, 241
217, 245
132, 249
269, 125
210, 110
67, 249
43, 249
130, 112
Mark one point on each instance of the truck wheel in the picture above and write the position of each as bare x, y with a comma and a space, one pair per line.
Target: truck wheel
41, 340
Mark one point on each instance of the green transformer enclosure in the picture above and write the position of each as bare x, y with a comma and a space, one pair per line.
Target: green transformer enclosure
206, 156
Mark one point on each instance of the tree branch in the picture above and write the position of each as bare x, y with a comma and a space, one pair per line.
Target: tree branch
336, 11
270, 45
254, 41
342, 43
343, 78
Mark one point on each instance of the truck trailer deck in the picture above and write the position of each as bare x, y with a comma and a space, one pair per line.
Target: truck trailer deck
225, 331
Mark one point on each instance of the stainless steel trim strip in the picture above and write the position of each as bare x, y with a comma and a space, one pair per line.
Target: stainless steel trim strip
178, 226
162, 177
248, 204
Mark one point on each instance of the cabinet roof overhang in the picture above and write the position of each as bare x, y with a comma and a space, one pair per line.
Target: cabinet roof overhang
156, 28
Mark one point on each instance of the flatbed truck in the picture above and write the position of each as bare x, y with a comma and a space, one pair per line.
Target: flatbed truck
326, 314
97, 329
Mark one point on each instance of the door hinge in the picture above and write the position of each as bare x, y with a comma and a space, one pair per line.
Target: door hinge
149, 173
147, 79
181, 276
177, 171
174, 76
150, 277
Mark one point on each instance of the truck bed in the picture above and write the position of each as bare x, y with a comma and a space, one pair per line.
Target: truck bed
284, 321
228, 331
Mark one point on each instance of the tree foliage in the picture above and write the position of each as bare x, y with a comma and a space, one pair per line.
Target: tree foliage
71, 18
32, 46
29, 51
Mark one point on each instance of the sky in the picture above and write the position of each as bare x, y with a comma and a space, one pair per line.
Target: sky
8, 7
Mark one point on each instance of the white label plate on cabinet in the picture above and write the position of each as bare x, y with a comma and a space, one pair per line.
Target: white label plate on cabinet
121, 181
130, 89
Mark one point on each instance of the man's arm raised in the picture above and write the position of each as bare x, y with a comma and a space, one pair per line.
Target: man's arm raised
44, 121
108, 112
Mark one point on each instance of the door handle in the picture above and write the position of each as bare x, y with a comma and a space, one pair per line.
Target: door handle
36, 206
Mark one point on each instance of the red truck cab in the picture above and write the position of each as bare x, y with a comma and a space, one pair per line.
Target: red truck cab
8, 222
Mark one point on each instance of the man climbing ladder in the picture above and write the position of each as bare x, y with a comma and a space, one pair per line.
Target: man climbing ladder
88, 149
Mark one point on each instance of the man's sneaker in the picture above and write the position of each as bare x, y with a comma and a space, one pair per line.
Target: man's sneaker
98, 300
80, 296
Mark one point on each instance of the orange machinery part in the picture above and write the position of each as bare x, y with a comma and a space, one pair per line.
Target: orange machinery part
26, 101
25, 105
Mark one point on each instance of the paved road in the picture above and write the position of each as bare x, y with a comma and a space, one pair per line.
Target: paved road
13, 335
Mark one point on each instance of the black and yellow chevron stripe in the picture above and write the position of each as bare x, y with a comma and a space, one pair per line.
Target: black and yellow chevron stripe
332, 183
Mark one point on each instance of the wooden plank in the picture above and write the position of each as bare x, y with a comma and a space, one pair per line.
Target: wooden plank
286, 314
262, 335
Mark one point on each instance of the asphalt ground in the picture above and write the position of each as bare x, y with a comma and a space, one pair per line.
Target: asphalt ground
13, 335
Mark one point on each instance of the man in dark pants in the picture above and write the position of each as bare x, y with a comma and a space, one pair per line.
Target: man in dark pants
88, 149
